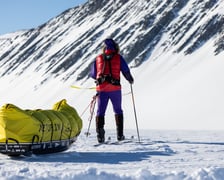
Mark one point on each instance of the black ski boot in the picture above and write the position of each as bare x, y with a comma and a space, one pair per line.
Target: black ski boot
99, 129
120, 126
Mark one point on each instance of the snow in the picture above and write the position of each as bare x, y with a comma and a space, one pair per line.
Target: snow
171, 92
160, 155
180, 96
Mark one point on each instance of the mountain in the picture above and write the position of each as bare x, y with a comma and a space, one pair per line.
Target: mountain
156, 38
72, 39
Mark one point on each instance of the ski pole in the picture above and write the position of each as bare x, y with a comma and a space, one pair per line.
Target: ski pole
86, 109
136, 121
92, 107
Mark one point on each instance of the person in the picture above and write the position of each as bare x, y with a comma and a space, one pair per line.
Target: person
106, 72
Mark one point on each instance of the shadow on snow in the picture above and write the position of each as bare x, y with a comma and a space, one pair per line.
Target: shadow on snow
96, 157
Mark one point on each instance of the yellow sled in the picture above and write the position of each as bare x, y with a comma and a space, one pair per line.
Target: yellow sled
39, 131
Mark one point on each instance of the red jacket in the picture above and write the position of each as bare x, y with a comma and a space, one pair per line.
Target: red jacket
103, 68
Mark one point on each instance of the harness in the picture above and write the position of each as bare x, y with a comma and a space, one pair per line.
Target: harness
107, 77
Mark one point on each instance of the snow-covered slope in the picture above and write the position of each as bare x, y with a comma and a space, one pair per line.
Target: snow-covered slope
175, 49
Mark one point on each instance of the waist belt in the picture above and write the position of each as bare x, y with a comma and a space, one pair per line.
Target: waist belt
109, 79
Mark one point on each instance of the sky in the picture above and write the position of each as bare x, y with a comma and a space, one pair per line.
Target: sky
25, 14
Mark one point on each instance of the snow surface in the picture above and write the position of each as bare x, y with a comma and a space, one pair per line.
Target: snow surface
161, 155
172, 92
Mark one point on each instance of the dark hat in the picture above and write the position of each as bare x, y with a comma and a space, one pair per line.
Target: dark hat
110, 44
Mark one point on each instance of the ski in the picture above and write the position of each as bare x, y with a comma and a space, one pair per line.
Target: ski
103, 143
110, 142
125, 141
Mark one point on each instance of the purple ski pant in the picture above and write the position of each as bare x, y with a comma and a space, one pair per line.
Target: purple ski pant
103, 99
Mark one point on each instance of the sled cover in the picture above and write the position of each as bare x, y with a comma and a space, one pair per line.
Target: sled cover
36, 126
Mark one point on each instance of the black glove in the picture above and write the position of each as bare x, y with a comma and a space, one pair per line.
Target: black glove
129, 77
131, 81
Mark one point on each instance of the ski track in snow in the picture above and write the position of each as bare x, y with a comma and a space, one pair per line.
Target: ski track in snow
160, 155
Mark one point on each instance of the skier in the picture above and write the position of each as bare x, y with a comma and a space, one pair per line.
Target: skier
106, 71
